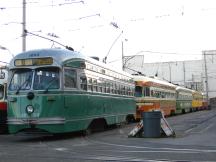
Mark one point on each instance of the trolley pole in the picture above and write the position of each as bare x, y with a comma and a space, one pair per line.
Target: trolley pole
123, 66
123, 57
24, 27
206, 77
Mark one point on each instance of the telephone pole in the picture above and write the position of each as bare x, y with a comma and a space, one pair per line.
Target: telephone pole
24, 27
184, 73
170, 72
206, 77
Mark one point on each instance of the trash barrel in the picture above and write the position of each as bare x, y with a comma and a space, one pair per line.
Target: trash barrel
151, 124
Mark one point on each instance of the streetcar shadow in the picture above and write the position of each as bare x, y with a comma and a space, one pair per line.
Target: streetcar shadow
28, 138
49, 137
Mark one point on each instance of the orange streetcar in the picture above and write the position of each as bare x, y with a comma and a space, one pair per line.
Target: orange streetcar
154, 94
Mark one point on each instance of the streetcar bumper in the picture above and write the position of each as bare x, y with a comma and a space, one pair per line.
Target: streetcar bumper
33, 121
51, 125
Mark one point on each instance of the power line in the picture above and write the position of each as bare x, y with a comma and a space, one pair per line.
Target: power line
32, 4
167, 53
4, 62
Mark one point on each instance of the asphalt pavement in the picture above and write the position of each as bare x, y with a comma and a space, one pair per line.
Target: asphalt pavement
194, 141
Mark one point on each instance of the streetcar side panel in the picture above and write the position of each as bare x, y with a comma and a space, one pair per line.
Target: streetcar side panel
183, 100
197, 100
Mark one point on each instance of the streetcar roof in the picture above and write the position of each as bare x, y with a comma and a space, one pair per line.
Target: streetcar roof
196, 92
153, 80
59, 57
179, 88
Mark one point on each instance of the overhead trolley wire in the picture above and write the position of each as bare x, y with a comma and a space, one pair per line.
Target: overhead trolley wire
167, 53
34, 4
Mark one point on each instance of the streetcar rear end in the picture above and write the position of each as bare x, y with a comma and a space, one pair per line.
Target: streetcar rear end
3, 99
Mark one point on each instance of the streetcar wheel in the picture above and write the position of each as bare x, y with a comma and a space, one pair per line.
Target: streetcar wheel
183, 111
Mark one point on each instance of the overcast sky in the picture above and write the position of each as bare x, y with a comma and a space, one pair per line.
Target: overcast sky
162, 30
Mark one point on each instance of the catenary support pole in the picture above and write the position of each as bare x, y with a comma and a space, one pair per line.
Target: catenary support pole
24, 27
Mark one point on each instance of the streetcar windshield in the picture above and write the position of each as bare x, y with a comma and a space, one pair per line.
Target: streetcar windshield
21, 80
46, 78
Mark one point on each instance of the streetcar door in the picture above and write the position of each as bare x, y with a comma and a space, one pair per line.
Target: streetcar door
1, 92
73, 97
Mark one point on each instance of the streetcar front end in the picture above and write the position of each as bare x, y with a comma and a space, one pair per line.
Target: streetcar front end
34, 103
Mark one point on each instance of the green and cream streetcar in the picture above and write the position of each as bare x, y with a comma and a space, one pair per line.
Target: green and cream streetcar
57, 91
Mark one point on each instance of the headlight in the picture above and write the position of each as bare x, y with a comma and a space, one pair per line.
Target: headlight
29, 109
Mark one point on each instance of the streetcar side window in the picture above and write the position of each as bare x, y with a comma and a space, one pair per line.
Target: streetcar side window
122, 89
90, 86
104, 86
70, 77
107, 87
83, 83
138, 91
100, 85
146, 91
112, 88
95, 87
116, 88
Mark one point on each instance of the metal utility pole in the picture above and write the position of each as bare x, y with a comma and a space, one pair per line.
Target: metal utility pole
170, 73
24, 27
184, 73
206, 76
